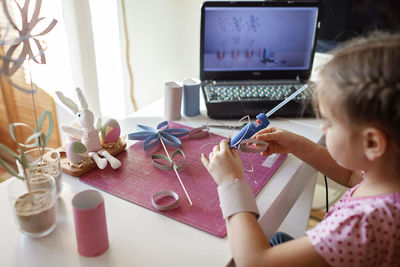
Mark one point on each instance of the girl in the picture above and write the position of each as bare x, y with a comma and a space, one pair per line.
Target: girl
359, 101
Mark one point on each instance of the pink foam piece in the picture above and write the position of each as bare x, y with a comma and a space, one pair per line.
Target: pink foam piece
138, 179
90, 223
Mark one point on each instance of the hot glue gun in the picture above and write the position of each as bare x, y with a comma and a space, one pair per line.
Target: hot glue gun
261, 120
250, 129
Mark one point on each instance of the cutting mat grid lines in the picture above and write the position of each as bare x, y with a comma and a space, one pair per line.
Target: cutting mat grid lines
138, 179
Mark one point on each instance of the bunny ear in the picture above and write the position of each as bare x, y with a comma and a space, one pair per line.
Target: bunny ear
67, 102
98, 124
81, 97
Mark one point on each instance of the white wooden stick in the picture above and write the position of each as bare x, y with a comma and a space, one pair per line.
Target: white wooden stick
176, 172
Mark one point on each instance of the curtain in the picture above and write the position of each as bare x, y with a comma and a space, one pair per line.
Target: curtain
19, 106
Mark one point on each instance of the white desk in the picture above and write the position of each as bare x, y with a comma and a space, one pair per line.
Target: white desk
140, 237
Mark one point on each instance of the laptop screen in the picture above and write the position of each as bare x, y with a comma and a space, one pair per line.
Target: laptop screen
237, 39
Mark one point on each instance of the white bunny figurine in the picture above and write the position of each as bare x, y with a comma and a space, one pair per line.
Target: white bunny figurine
88, 134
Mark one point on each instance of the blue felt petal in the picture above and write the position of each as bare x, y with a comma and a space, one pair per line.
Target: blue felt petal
151, 136
170, 140
151, 141
177, 132
140, 127
162, 124
140, 135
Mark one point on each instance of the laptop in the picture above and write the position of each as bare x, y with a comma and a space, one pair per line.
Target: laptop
255, 54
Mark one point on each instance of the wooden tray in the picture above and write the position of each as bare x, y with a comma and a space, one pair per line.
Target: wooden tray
78, 172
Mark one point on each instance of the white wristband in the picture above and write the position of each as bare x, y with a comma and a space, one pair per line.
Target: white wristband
236, 196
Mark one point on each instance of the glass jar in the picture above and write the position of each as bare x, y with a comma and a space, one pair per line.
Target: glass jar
34, 209
49, 163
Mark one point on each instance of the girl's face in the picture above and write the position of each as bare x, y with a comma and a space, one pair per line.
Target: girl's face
342, 140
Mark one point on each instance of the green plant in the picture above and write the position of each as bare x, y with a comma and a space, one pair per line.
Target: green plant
36, 139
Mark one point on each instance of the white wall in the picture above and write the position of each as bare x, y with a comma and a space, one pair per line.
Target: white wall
164, 40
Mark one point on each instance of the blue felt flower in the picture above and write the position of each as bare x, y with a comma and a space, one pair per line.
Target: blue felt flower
152, 136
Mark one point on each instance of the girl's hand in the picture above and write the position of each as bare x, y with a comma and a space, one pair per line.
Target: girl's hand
280, 141
223, 164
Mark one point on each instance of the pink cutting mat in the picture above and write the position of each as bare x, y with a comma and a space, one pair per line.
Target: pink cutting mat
138, 179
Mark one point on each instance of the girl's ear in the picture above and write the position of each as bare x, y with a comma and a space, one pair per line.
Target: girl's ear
375, 143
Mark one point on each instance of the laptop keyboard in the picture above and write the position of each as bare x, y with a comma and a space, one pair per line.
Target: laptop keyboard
225, 93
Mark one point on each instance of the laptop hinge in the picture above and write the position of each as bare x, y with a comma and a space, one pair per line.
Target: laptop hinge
244, 82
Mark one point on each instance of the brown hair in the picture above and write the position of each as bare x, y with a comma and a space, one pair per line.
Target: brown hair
365, 73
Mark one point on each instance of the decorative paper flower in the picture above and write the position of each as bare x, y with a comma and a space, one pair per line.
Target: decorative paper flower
25, 38
152, 136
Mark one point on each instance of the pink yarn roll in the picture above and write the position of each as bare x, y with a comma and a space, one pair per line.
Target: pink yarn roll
172, 101
90, 223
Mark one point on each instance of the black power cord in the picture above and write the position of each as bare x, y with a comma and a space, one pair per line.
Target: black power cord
326, 194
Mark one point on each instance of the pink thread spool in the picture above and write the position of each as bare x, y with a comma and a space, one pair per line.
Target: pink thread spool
90, 223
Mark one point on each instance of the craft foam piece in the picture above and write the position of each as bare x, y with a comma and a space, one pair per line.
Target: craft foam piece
138, 180
90, 223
